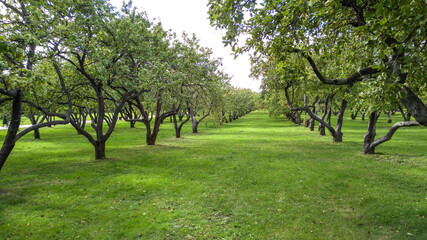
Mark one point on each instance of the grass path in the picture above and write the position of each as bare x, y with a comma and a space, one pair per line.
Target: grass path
257, 178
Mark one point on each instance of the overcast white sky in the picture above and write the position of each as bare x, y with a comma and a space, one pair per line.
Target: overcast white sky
191, 16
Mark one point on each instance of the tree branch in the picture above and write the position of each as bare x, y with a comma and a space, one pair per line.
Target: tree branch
355, 77
391, 132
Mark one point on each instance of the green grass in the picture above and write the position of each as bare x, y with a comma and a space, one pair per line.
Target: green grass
257, 177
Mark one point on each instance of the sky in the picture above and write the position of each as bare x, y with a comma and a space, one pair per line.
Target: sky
191, 16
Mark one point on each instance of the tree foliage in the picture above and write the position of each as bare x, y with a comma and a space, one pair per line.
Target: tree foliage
377, 48
85, 60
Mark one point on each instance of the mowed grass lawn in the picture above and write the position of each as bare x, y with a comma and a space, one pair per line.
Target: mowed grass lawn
256, 178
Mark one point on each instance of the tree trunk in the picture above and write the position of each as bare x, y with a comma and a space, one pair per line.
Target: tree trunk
148, 137
151, 140
151, 136
33, 121
326, 111
408, 116
354, 115
12, 130
132, 124
414, 106
340, 120
36, 133
307, 122
194, 122
175, 124
321, 130
326, 114
312, 123
370, 134
388, 117
156, 129
182, 124
100, 150
194, 126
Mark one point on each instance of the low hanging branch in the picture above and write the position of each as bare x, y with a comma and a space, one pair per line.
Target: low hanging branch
371, 144
393, 129
409, 99
355, 77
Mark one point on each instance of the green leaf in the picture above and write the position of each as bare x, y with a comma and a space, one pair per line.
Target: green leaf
384, 20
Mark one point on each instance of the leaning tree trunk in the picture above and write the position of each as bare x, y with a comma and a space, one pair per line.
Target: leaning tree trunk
194, 122
340, 120
312, 121
181, 115
354, 115
326, 113
370, 134
12, 130
415, 106
179, 127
